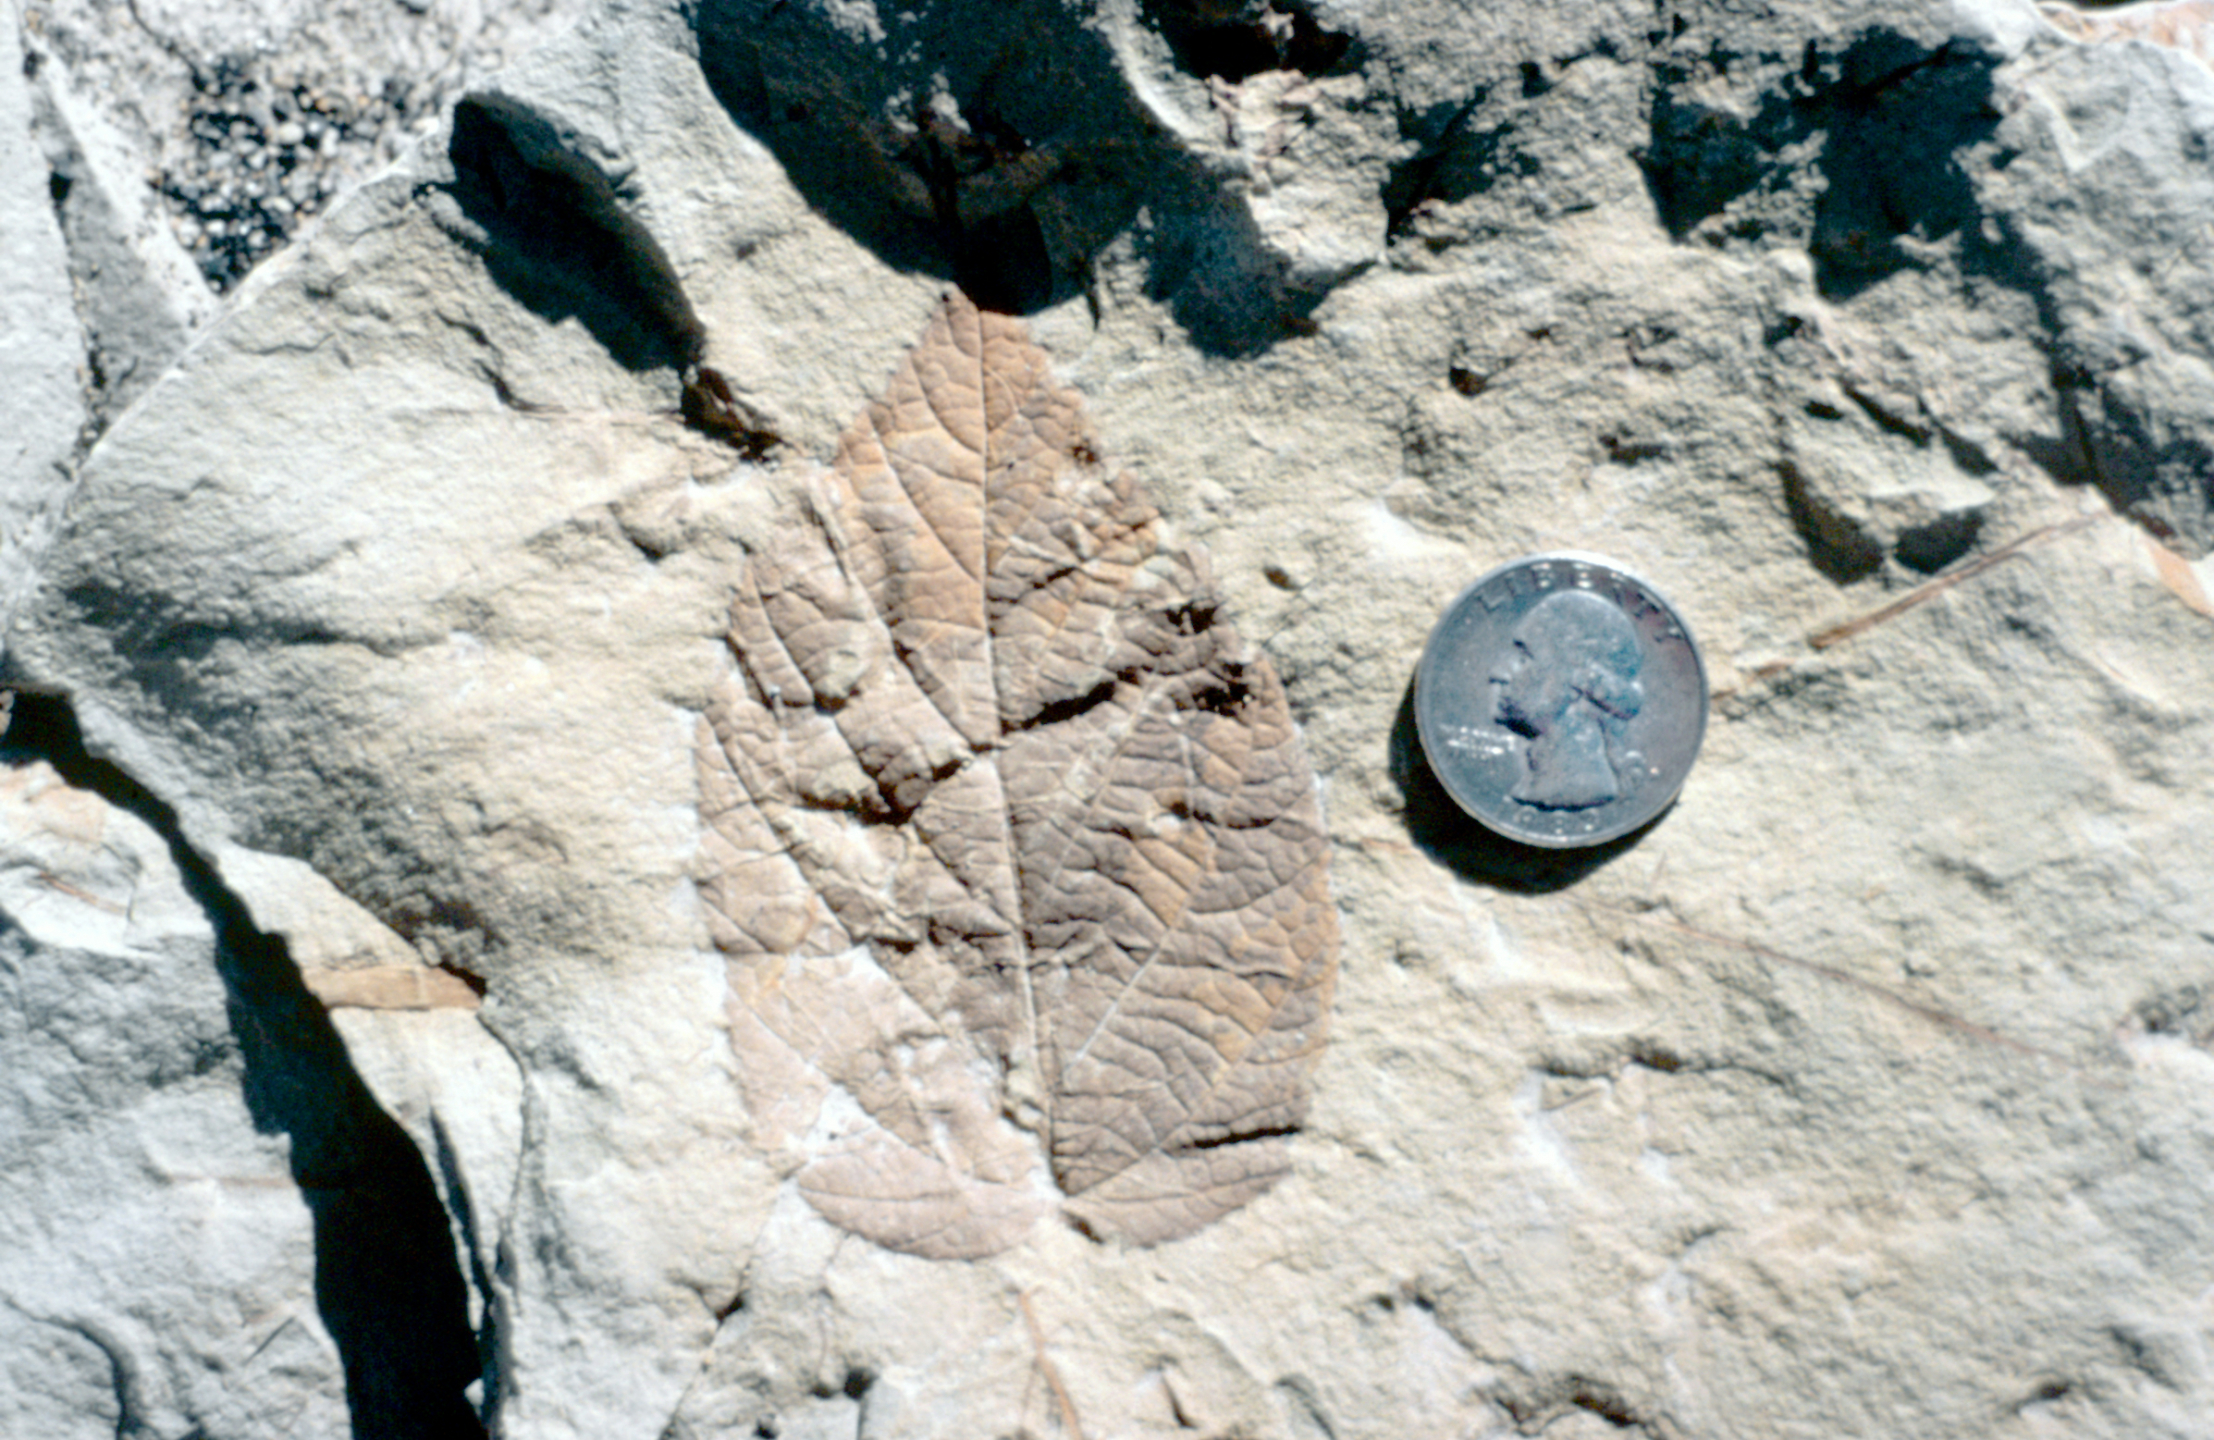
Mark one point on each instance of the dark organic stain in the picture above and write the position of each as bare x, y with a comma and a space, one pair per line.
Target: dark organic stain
710, 407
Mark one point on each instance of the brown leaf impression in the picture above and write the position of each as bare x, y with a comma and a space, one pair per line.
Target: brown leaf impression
1009, 840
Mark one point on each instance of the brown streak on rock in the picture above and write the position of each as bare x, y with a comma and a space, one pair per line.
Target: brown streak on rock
1046, 1367
52, 882
390, 987
1846, 630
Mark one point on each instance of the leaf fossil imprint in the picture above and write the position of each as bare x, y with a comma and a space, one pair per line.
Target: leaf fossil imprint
1003, 820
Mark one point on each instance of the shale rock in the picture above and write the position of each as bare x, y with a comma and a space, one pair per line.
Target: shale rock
157, 1259
1874, 1083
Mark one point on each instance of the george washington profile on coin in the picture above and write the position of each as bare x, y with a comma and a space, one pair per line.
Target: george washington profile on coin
1561, 700
1569, 686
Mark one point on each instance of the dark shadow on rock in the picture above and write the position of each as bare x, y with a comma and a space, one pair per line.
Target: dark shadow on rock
555, 234
1889, 117
1464, 157
1205, 261
1698, 160
1836, 546
386, 1283
1003, 153
1235, 40
1462, 844
1930, 547
2160, 476
999, 155
1897, 123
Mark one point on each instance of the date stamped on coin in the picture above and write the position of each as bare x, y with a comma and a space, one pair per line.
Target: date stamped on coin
1561, 700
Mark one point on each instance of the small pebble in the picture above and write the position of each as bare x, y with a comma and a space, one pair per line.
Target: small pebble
290, 133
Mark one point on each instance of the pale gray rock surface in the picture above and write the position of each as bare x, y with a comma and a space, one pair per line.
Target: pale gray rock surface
1867, 1093
41, 343
157, 1262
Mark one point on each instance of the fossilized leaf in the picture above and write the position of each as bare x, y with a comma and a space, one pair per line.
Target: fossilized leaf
1007, 833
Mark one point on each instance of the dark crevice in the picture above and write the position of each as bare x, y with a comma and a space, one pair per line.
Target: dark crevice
1621, 451
1969, 457
1536, 1409
505, 393
1224, 699
1886, 421
710, 406
1838, 547
489, 1335
1238, 1137
853, 1385
386, 1283
1931, 547
1068, 709
1193, 615
1234, 40
1602, 1401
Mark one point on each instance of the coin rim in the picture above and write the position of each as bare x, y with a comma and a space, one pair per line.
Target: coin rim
1429, 656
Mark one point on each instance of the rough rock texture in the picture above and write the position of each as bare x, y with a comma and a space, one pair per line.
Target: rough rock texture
156, 1260
153, 153
211, 1227
41, 342
1869, 1092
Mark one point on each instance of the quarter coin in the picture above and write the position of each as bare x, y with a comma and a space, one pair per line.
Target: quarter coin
1561, 700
